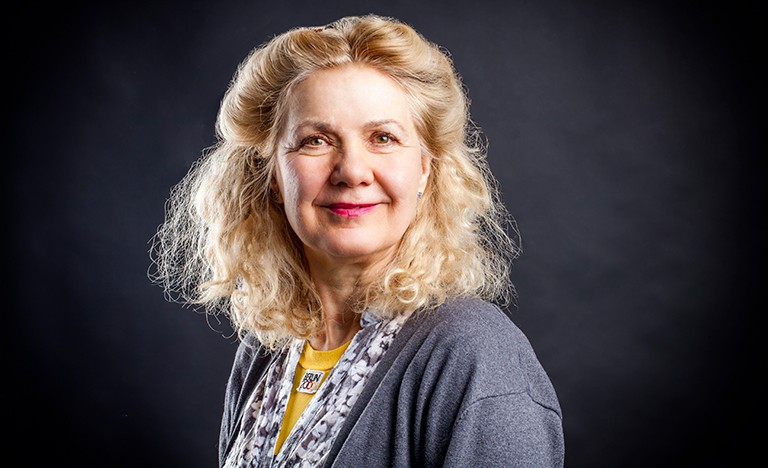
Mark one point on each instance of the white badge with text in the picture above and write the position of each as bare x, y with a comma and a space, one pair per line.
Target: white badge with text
311, 381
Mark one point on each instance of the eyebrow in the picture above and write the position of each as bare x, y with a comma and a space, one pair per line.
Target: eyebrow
325, 127
379, 123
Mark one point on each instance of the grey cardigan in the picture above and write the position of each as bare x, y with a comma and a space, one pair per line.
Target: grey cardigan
459, 387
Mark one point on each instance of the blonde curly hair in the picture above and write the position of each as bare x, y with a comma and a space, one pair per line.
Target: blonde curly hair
226, 246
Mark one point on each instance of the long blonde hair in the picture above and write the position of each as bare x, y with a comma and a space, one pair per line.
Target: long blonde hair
226, 246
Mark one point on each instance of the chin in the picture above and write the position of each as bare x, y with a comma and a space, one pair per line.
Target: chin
350, 249
353, 251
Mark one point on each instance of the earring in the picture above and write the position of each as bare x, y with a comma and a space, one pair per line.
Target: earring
274, 196
418, 195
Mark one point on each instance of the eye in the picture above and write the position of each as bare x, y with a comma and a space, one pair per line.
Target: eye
315, 144
313, 141
383, 138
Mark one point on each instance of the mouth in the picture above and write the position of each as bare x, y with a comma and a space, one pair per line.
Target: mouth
351, 210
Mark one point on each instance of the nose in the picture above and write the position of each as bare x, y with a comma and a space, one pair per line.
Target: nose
352, 167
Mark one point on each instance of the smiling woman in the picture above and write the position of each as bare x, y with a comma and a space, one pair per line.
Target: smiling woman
348, 225
349, 170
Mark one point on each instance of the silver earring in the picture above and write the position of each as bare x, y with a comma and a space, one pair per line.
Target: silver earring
418, 195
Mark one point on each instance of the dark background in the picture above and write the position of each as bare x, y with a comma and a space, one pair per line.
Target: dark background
624, 136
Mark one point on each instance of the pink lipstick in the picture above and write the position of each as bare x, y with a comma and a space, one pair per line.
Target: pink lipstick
351, 210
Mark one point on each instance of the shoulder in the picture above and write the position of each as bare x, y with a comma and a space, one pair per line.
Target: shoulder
249, 349
474, 324
250, 358
250, 362
474, 341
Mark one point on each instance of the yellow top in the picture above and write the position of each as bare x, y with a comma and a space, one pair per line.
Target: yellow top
311, 371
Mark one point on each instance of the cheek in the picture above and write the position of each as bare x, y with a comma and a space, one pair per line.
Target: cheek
300, 182
291, 185
407, 181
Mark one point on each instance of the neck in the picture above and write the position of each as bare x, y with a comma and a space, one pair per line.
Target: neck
335, 333
340, 318
339, 288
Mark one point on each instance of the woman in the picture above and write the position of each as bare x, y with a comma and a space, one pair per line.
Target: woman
347, 223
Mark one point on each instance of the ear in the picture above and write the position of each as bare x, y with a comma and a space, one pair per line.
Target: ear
274, 191
426, 168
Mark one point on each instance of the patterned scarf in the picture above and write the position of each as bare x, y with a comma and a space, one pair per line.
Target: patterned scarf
313, 434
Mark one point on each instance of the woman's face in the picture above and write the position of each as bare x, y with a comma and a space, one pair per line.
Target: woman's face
349, 166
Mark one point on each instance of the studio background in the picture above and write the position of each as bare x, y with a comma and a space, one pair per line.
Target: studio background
624, 137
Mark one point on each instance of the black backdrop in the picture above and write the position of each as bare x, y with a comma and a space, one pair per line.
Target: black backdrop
624, 138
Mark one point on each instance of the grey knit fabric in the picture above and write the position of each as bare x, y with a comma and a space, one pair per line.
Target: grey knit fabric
459, 387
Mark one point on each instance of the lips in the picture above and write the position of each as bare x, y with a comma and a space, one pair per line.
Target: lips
351, 210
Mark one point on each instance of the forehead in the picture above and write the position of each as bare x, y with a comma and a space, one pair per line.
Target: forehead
347, 94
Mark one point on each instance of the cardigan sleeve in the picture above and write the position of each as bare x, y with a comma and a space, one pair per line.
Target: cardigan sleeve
508, 430
509, 414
